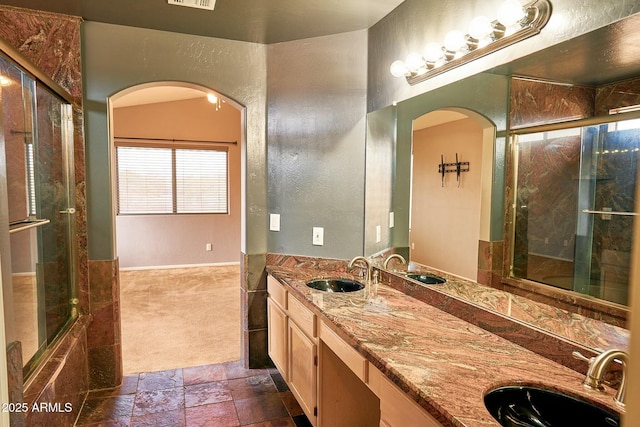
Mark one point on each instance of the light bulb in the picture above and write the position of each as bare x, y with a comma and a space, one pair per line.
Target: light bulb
510, 12
433, 52
414, 62
454, 41
480, 27
398, 68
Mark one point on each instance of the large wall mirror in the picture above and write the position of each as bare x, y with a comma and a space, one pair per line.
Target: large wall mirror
586, 255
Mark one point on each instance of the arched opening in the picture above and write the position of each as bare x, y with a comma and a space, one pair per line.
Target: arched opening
176, 181
452, 170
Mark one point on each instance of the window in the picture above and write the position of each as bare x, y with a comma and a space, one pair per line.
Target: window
171, 180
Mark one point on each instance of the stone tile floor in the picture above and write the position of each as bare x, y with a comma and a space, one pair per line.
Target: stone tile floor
222, 395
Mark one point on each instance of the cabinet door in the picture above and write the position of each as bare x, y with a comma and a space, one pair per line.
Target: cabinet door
302, 370
277, 337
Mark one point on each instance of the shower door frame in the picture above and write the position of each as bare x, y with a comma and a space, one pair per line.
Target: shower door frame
513, 136
12, 55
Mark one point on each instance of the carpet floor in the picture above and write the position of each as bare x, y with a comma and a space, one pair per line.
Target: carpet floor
179, 317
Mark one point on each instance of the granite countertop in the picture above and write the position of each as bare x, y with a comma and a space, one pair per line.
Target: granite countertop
443, 362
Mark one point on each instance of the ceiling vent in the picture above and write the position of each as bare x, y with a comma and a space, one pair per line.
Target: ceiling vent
199, 4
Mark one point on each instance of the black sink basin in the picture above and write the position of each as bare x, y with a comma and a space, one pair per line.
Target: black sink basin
335, 285
429, 279
519, 406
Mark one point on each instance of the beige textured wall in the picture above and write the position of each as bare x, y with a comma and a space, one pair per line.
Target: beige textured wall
445, 221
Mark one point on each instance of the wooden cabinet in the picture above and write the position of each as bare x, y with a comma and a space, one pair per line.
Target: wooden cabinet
277, 321
293, 345
303, 382
277, 337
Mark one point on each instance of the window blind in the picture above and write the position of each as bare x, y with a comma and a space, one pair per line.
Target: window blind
201, 181
159, 180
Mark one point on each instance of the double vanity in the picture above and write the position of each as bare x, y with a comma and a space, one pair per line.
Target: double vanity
380, 356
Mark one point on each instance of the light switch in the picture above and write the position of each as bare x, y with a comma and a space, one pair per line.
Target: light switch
318, 236
274, 222
378, 234
392, 220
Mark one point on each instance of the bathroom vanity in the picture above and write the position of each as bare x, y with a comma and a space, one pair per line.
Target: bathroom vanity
378, 356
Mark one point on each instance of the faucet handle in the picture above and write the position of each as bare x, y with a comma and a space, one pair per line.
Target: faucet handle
581, 356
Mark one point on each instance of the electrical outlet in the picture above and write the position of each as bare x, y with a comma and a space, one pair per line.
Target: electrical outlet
318, 236
208, 247
274, 222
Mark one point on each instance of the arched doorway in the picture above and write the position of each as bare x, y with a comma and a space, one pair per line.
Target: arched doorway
450, 210
177, 204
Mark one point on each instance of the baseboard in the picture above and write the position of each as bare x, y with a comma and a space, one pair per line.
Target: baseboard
167, 267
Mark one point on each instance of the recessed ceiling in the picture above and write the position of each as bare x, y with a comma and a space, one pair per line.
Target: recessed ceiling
438, 117
155, 94
259, 21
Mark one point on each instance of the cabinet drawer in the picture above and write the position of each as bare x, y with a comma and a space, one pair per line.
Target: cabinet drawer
302, 316
277, 292
345, 352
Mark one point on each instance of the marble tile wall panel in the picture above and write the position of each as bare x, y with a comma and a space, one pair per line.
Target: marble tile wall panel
15, 380
534, 103
570, 301
490, 262
104, 335
62, 380
50, 41
254, 311
616, 95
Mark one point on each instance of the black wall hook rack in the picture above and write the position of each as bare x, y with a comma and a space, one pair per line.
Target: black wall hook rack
457, 167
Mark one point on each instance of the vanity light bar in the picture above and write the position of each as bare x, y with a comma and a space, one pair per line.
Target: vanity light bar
515, 23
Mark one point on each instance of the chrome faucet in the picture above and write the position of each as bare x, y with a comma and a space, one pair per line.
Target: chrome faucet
385, 265
367, 266
598, 367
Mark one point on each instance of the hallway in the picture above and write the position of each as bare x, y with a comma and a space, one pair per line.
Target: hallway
179, 317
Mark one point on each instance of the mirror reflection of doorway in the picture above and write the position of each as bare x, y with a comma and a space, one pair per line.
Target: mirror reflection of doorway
177, 194
447, 209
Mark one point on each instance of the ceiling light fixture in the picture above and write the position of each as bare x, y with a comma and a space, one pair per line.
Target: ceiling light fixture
514, 23
215, 100
199, 4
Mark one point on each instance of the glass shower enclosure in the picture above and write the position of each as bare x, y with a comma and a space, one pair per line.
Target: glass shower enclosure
574, 206
36, 218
